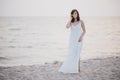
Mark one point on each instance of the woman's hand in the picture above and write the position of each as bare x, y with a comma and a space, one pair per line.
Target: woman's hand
80, 39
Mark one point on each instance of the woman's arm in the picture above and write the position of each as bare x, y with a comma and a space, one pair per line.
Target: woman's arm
84, 30
83, 27
68, 25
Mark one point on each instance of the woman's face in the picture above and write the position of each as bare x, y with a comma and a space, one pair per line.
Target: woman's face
75, 14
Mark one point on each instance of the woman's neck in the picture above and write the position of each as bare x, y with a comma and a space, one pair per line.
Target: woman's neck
75, 20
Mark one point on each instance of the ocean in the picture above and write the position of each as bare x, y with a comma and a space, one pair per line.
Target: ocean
44, 39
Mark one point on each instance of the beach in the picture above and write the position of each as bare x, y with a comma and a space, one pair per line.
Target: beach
93, 69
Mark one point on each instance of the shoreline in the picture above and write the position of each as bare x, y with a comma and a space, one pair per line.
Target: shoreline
7, 63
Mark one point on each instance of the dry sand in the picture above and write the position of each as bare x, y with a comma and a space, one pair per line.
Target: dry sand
92, 69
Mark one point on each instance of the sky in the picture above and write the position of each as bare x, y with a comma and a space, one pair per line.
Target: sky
59, 7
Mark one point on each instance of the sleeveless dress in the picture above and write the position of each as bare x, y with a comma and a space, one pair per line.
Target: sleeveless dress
70, 65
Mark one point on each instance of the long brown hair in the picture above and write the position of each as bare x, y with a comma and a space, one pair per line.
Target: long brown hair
78, 18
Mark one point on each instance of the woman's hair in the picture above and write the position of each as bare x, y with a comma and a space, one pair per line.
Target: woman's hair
78, 18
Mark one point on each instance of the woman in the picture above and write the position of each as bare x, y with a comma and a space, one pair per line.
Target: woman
72, 63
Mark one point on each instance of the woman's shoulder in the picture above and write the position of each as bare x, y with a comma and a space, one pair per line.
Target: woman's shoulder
81, 21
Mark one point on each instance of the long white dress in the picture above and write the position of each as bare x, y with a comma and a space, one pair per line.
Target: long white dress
70, 65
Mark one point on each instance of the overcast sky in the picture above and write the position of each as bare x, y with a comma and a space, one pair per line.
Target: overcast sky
59, 7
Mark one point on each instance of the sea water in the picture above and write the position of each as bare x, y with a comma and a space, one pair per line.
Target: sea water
37, 40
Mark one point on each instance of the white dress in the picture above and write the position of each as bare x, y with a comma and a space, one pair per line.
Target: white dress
70, 65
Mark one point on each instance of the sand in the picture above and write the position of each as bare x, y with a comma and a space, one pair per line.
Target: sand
92, 69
